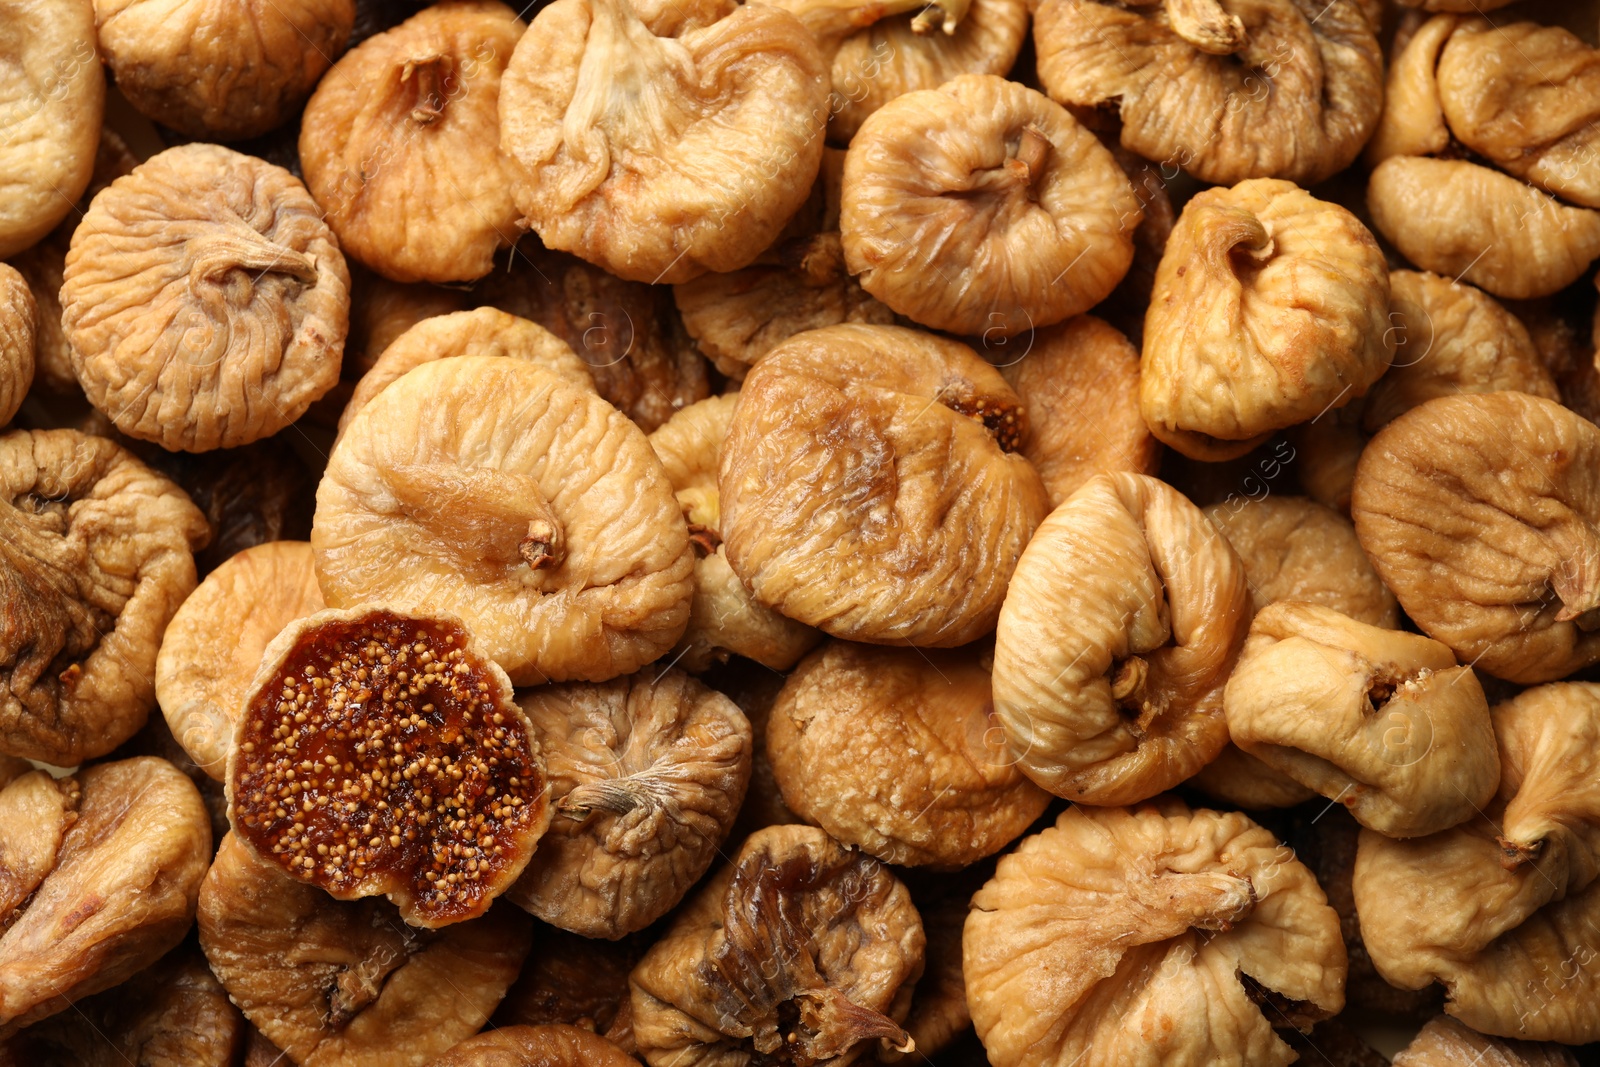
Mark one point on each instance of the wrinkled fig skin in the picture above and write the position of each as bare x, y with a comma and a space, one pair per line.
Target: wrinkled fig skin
1124, 618
536, 1046
1139, 916
205, 300
1527, 98
1504, 910
117, 889
662, 157
95, 556
19, 316
646, 777
531, 508
1269, 308
50, 109
1413, 122
212, 647
400, 140
338, 984
984, 208
848, 945
1466, 221
221, 70
898, 752
579, 981
1296, 98
1480, 512
1446, 1043
870, 486
1380, 721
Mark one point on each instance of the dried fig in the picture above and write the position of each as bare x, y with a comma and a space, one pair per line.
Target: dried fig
221, 70
1481, 512
1413, 121
1269, 308
382, 310
579, 981
382, 754
349, 985
50, 108
1446, 1043
646, 775
1079, 383
98, 879
870, 486
1123, 620
1244, 89
899, 754
554, 1045
399, 142
18, 317
724, 619
530, 507
95, 556
798, 952
1243, 781
1171, 937
205, 300
213, 645
661, 155
982, 207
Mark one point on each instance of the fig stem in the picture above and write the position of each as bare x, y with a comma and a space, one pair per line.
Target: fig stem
1033, 150
616, 796
242, 247
1204, 24
432, 76
832, 20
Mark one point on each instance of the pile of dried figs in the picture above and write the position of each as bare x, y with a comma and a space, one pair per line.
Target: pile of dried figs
799, 533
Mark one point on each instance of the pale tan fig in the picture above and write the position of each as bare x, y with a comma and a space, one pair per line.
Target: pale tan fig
497, 491
535, 1046
1123, 620
1244, 781
982, 207
1269, 309
1413, 122
19, 316
1171, 938
1446, 1043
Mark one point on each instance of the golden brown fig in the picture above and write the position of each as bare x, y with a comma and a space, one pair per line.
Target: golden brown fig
1413, 121
1269, 308
95, 556
349, 985
870, 486
398, 145
212, 647
982, 207
578, 981
1123, 620
646, 776
1227, 91
1504, 911
1481, 513
50, 108
798, 952
98, 876
659, 155
218, 69
495, 490
18, 319
1446, 1043
250, 336
1243, 781
536, 1046
1380, 721
725, 619
1171, 937
898, 752
382, 754
1466, 221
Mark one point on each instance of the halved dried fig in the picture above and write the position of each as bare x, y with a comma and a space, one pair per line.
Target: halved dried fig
18, 318
798, 952
399, 142
379, 753
1123, 620
898, 753
1482, 514
1171, 937
659, 154
1446, 1043
212, 648
98, 879
205, 300
95, 556
982, 207
1270, 307
50, 107
223, 71
1244, 89
349, 985
553, 1045
870, 486
724, 619
495, 490
646, 775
